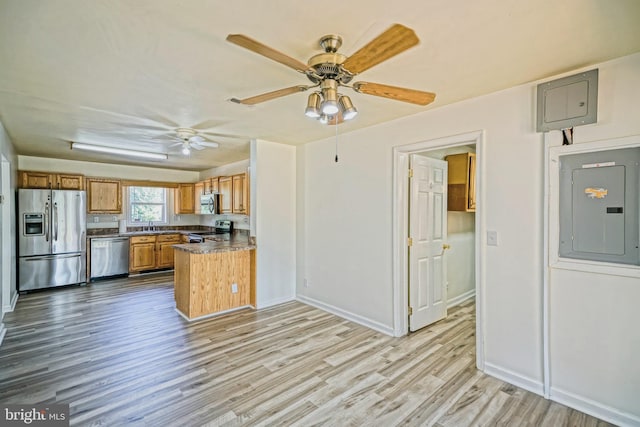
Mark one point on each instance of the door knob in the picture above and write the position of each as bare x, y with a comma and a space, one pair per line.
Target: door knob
445, 246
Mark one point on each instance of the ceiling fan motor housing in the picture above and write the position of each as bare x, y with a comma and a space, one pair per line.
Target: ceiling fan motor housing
327, 65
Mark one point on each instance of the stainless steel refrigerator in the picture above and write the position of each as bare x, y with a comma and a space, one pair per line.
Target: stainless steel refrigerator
52, 248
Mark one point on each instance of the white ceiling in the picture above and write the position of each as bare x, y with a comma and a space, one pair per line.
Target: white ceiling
125, 72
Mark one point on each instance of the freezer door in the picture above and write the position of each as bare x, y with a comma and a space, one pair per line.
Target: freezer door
68, 221
34, 215
51, 270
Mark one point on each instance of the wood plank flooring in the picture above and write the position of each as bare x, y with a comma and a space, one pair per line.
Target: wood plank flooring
119, 354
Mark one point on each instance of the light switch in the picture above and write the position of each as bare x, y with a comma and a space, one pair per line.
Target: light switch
234, 288
492, 238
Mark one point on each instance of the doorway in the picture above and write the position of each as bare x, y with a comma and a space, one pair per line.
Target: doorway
466, 231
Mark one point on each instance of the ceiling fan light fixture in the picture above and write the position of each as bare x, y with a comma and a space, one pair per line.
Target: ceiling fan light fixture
115, 150
186, 150
330, 97
313, 106
348, 110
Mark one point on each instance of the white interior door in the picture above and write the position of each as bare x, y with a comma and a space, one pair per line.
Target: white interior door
427, 233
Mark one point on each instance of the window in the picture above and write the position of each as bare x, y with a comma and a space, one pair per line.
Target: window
147, 204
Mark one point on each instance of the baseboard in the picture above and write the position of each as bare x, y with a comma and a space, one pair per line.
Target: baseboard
514, 378
461, 298
3, 332
595, 409
12, 305
361, 320
276, 301
208, 316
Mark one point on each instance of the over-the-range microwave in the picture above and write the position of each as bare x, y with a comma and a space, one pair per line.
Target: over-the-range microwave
209, 204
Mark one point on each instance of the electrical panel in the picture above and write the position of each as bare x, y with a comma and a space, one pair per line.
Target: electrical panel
599, 206
568, 102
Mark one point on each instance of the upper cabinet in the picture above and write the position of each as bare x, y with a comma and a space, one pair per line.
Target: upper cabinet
31, 179
226, 195
461, 182
104, 196
214, 185
185, 199
240, 194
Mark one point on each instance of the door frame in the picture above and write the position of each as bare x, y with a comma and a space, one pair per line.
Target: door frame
400, 216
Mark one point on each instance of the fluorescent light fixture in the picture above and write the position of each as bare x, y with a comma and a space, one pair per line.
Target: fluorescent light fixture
114, 150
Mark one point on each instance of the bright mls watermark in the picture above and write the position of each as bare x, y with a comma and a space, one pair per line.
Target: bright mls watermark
54, 415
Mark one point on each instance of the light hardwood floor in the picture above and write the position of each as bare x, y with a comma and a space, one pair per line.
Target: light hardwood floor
119, 354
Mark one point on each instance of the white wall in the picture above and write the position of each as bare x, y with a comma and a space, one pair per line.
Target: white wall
347, 213
595, 339
348, 260
8, 290
275, 212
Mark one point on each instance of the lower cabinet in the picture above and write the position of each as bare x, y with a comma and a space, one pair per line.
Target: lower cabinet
151, 252
164, 249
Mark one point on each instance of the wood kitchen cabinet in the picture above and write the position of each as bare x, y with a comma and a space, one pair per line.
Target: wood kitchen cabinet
225, 187
164, 249
461, 182
43, 180
214, 185
185, 200
142, 253
152, 252
240, 194
104, 196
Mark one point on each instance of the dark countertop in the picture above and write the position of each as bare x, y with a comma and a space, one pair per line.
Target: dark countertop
144, 233
236, 243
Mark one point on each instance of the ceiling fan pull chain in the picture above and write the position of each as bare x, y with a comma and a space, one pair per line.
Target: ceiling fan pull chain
336, 125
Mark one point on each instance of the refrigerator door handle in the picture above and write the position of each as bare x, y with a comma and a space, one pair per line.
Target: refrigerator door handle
46, 221
55, 212
40, 258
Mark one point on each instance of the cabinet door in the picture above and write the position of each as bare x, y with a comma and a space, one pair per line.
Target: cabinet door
104, 196
142, 256
185, 199
472, 181
198, 191
40, 180
225, 187
239, 190
206, 186
69, 182
164, 251
214, 185
461, 189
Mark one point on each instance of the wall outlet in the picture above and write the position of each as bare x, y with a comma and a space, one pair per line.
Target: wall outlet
306, 283
234, 288
96, 219
115, 218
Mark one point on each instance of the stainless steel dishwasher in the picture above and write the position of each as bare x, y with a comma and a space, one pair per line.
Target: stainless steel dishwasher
109, 257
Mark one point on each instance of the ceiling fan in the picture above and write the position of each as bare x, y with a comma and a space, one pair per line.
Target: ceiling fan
189, 139
331, 70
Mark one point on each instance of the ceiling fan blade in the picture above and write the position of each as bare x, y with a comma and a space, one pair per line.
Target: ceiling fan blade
269, 95
264, 50
393, 41
196, 139
196, 146
398, 93
208, 144
176, 144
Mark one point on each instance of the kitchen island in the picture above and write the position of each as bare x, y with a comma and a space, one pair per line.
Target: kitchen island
214, 277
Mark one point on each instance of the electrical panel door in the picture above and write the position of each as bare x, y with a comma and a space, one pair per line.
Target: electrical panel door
599, 212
